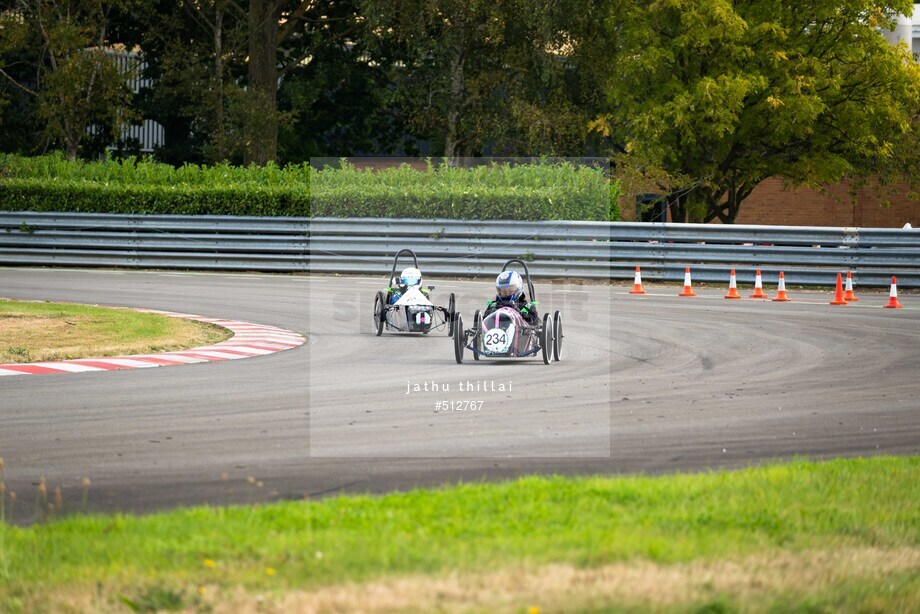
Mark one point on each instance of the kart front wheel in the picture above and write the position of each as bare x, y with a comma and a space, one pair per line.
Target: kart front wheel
557, 328
451, 310
547, 340
477, 327
459, 338
379, 307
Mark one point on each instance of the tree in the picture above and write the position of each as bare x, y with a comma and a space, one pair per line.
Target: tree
284, 35
222, 22
560, 56
479, 75
77, 81
18, 59
341, 103
446, 48
217, 67
195, 64
722, 94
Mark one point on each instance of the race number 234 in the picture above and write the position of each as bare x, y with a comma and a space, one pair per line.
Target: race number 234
496, 338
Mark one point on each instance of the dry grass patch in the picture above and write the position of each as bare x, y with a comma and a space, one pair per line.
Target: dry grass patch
754, 582
759, 583
37, 332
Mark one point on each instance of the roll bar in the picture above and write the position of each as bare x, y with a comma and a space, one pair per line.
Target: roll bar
396, 260
523, 264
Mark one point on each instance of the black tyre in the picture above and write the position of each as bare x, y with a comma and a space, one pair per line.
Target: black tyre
477, 325
379, 309
459, 338
451, 310
547, 339
557, 329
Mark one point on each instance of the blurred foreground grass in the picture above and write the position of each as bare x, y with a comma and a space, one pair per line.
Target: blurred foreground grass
831, 536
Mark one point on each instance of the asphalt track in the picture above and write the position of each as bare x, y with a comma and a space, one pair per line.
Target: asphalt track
647, 384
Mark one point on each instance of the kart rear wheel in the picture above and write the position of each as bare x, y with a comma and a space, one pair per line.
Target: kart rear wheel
547, 340
451, 310
379, 308
477, 326
459, 338
557, 329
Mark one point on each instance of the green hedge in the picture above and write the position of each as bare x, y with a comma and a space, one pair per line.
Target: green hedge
526, 192
39, 195
51, 183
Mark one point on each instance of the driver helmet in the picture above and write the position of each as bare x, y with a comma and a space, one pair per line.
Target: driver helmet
410, 277
508, 286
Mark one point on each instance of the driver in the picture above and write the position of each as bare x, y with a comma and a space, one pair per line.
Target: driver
509, 289
408, 278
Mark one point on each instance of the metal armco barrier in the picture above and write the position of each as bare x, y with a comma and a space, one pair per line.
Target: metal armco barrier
587, 250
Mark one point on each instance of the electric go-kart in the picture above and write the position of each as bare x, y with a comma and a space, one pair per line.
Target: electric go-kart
412, 312
505, 333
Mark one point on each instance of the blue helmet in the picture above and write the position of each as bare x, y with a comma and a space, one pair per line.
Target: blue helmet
508, 286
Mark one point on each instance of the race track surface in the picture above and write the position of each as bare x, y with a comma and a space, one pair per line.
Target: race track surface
647, 384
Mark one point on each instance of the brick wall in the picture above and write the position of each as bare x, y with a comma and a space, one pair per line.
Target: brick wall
771, 204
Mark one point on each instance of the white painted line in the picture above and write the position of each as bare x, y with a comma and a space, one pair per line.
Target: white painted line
66, 366
214, 354
173, 356
243, 349
125, 362
252, 350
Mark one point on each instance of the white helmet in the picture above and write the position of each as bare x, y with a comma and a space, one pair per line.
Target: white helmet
410, 277
508, 285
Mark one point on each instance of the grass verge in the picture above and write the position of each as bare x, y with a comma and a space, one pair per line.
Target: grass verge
837, 536
38, 331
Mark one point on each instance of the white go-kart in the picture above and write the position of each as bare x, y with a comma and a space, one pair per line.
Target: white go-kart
413, 312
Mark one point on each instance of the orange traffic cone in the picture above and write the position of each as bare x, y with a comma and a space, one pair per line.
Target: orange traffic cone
893, 295
781, 296
732, 286
848, 295
758, 287
838, 295
637, 284
688, 289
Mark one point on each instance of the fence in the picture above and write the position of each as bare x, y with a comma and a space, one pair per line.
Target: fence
590, 250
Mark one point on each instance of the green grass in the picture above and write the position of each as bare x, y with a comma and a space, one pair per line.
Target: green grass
472, 528
32, 331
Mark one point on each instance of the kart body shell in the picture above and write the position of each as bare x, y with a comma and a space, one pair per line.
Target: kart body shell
506, 334
412, 313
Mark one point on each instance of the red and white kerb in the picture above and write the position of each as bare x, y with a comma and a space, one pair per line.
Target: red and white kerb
248, 340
